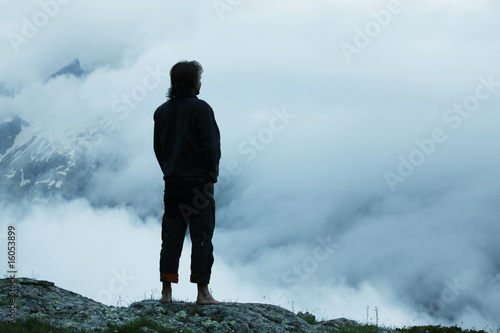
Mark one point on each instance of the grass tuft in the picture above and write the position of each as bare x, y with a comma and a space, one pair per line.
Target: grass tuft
34, 325
136, 326
436, 329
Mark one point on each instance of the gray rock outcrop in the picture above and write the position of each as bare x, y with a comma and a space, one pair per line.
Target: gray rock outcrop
63, 308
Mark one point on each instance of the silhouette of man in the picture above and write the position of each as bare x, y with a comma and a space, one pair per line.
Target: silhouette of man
187, 147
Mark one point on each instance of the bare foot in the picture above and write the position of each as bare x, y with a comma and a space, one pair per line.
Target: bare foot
204, 296
165, 299
166, 293
206, 300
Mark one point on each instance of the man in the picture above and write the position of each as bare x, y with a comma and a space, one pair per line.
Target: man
187, 147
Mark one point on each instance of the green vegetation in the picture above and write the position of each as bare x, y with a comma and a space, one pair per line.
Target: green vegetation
436, 329
414, 329
358, 329
35, 325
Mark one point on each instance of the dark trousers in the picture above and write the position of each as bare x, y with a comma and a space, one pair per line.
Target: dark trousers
188, 203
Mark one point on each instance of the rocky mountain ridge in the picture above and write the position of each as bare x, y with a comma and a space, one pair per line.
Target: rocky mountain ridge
39, 161
42, 299
36, 164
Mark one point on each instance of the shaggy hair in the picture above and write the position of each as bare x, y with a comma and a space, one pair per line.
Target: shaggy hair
184, 76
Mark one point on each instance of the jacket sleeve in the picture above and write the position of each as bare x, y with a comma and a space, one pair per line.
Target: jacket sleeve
157, 145
209, 135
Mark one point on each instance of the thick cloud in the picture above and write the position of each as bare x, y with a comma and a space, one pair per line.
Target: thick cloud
359, 151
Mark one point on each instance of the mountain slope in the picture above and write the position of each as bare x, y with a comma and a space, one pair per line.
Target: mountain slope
35, 164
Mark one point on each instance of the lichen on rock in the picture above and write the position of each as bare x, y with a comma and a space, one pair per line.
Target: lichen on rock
63, 308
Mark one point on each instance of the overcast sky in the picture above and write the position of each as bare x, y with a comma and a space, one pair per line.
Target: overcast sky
360, 150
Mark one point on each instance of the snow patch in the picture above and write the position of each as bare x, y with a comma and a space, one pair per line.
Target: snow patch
10, 174
24, 181
7, 119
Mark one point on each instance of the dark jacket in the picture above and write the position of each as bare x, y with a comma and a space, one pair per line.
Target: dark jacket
187, 139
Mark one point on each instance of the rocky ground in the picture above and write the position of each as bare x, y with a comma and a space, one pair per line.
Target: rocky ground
64, 308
